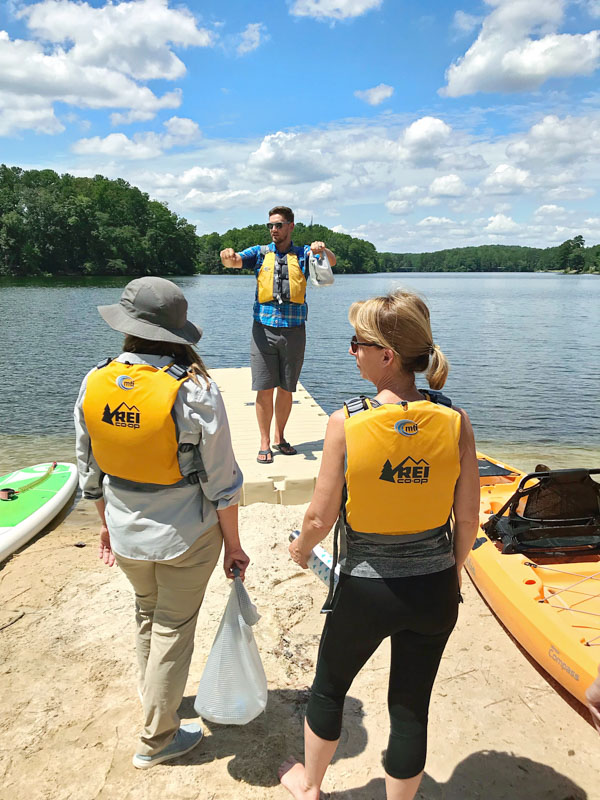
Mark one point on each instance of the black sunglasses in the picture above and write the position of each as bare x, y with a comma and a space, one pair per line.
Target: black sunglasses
355, 344
277, 225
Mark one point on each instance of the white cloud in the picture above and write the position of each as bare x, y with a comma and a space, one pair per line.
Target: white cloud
560, 141
333, 9
132, 38
252, 37
381, 163
179, 132
214, 179
500, 223
506, 179
399, 206
405, 191
435, 222
232, 198
518, 49
376, 95
448, 186
93, 58
549, 210
135, 115
571, 193
593, 8
465, 23
422, 139
117, 145
323, 191
22, 112
288, 157
464, 161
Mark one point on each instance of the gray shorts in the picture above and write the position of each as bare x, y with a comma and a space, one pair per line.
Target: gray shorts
276, 356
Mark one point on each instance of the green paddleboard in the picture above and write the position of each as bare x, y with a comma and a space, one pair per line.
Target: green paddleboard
34, 496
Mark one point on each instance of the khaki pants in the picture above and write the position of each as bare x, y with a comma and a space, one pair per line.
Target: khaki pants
168, 596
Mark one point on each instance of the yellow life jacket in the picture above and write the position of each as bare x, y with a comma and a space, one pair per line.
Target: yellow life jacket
127, 410
402, 466
280, 278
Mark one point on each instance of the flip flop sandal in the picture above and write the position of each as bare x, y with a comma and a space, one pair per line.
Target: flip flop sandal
285, 448
268, 456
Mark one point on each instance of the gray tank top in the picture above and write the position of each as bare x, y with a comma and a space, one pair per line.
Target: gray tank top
369, 555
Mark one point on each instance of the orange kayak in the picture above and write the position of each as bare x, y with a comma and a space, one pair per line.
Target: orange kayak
548, 600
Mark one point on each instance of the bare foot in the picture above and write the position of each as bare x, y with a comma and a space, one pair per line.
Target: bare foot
292, 775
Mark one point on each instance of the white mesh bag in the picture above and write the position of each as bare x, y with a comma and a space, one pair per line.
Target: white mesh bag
233, 686
319, 270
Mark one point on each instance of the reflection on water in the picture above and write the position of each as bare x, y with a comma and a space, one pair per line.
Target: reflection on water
522, 347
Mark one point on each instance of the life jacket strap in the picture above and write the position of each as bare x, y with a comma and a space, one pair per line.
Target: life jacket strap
104, 363
177, 371
360, 403
435, 396
328, 604
199, 473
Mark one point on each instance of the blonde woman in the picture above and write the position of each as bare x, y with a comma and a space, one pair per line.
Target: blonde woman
402, 467
154, 452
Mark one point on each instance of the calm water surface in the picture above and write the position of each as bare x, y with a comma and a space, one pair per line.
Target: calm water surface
524, 351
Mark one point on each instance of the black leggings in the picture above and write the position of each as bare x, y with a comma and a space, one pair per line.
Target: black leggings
418, 613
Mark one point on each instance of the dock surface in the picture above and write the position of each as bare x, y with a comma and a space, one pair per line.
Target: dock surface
289, 480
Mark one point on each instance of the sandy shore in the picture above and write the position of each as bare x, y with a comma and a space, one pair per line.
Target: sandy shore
69, 712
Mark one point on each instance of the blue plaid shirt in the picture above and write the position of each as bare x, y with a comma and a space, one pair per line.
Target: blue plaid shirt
274, 314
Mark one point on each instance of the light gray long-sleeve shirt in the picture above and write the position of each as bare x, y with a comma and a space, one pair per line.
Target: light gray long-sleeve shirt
149, 522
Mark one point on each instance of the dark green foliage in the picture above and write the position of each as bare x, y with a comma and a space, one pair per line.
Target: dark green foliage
360, 256
57, 224
570, 256
353, 255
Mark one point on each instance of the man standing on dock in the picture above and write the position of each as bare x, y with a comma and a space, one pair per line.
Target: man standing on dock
278, 330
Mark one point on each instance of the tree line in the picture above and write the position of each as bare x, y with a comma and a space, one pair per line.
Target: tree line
54, 224
359, 256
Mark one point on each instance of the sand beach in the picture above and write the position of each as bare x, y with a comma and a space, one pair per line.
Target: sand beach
69, 712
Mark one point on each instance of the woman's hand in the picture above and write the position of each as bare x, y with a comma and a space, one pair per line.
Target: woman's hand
233, 558
298, 555
105, 552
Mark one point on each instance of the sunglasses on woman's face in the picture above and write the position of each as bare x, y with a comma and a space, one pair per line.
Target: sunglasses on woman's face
355, 344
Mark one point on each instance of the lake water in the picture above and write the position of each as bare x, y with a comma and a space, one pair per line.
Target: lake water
524, 351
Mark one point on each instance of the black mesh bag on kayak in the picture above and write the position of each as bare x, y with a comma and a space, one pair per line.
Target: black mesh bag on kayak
552, 512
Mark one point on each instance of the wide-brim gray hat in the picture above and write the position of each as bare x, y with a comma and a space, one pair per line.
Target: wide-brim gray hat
152, 308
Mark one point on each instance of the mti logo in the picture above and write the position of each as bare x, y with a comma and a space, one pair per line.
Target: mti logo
125, 382
407, 471
123, 416
406, 427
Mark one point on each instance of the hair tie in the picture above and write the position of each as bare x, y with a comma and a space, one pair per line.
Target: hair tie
430, 353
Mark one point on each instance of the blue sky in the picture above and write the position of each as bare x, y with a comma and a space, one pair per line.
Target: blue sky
415, 125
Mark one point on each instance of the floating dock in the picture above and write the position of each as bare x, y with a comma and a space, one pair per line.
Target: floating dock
289, 480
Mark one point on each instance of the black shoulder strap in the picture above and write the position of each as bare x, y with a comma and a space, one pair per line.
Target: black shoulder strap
105, 362
435, 396
356, 404
177, 371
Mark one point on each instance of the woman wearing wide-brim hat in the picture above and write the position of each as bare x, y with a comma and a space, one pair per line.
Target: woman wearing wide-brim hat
154, 452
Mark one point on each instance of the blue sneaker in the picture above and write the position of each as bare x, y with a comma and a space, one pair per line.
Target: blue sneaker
186, 738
